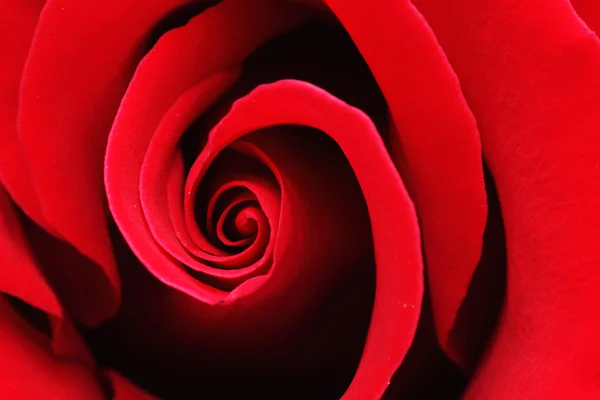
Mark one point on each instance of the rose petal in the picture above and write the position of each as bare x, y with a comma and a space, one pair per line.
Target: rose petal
219, 38
75, 75
159, 204
589, 11
234, 228
18, 20
22, 277
436, 144
30, 371
232, 171
529, 70
19, 274
394, 226
173, 237
24, 350
124, 390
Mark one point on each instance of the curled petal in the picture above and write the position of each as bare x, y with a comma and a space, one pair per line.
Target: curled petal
17, 24
394, 226
73, 81
434, 141
218, 39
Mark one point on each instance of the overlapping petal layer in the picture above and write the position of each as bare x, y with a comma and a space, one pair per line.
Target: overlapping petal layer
58, 360
434, 142
309, 211
529, 71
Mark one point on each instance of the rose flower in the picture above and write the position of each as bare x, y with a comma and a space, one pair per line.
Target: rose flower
299, 199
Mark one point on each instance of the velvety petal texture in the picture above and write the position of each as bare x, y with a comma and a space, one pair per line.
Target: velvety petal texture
189, 49
300, 233
18, 23
397, 300
434, 140
172, 209
74, 78
57, 359
24, 356
529, 71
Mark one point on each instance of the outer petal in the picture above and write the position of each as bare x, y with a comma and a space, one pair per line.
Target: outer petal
62, 367
22, 277
18, 20
28, 369
436, 144
19, 274
79, 64
529, 70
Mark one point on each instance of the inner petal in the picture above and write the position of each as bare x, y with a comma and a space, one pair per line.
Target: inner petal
394, 226
221, 206
208, 249
230, 171
230, 178
239, 224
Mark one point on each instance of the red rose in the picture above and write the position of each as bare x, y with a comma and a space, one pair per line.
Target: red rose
288, 199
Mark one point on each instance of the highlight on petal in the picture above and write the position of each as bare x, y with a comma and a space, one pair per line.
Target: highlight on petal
434, 142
